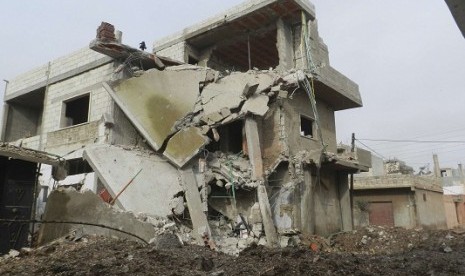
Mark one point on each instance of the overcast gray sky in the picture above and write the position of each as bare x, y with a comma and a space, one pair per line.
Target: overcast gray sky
408, 58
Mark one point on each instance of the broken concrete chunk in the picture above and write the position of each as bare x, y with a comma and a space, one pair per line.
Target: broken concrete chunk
204, 130
87, 207
184, 145
153, 188
216, 135
276, 88
257, 104
283, 94
250, 89
265, 80
230, 118
177, 205
213, 118
225, 112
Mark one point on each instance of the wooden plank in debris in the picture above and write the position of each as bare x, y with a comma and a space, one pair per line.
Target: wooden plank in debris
255, 156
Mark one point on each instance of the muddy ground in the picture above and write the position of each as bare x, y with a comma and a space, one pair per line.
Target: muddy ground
368, 251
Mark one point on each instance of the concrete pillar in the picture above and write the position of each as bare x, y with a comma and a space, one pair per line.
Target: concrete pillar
344, 201
284, 44
460, 167
3, 122
255, 156
308, 204
437, 168
4, 117
195, 206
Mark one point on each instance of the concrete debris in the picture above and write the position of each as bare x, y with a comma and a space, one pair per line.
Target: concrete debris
166, 241
172, 110
13, 253
257, 105
162, 100
447, 249
193, 199
184, 145
68, 205
154, 191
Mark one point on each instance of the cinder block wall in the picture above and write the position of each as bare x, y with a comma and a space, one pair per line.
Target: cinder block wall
176, 51
86, 83
58, 67
79, 73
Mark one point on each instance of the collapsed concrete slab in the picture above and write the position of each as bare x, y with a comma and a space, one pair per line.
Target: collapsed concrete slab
230, 91
68, 206
153, 191
184, 145
157, 100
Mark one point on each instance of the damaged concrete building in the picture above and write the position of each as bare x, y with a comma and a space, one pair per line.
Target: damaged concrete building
230, 120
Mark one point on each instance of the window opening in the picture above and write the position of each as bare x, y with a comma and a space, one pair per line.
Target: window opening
306, 127
231, 138
76, 111
78, 166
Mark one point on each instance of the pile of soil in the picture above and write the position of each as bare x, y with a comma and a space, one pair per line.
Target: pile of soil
395, 251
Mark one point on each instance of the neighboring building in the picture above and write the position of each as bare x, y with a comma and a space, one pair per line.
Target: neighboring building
399, 199
453, 182
224, 140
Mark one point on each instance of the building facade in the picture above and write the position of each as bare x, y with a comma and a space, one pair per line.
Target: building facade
249, 125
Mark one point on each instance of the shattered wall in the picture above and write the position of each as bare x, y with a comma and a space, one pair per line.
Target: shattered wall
154, 183
328, 214
123, 131
68, 205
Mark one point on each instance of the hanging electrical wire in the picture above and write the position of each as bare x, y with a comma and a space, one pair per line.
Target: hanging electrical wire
412, 141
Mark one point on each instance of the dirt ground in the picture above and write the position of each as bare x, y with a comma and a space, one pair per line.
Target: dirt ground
367, 251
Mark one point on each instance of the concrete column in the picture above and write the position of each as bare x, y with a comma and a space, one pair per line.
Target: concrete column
344, 201
284, 44
255, 156
4, 117
3, 122
195, 206
437, 168
308, 204
460, 167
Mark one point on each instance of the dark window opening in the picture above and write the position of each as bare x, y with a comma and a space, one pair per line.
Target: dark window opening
424, 197
443, 173
192, 60
230, 138
24, 115
76, 111
306, 127
78, 166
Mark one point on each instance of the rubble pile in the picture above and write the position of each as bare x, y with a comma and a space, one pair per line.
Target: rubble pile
91, 255
388, 240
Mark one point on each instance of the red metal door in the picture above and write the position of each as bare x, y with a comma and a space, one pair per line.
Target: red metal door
381, 213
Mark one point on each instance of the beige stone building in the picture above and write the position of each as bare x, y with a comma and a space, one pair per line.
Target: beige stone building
233, 116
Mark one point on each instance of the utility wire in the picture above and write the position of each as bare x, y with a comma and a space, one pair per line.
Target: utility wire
72, 222
411, 141
377, 153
